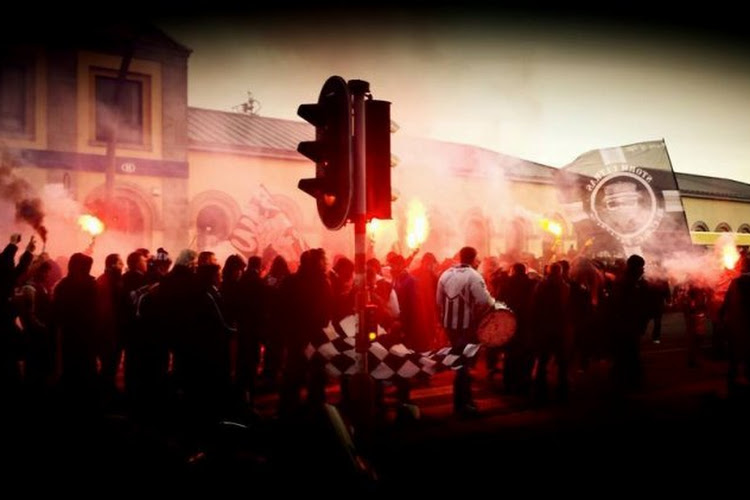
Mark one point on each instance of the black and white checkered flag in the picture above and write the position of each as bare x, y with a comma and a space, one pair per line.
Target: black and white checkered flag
386, 358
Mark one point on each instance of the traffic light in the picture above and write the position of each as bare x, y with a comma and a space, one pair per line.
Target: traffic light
370, 328
331, 151
378, 159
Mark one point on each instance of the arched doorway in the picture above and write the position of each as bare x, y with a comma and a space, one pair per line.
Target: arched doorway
516, 237
214, 215
476, 231
477, 235
128, 218
123, 214
212, 226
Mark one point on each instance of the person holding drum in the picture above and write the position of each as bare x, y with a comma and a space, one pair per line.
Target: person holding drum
463, 299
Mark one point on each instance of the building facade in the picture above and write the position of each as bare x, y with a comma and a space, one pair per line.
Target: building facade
100, 125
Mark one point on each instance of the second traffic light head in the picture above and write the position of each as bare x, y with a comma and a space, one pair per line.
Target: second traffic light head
378, 131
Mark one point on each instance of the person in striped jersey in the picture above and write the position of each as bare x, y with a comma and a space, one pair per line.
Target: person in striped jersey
462, 299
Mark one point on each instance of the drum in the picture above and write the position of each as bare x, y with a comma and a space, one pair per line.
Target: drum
497, 326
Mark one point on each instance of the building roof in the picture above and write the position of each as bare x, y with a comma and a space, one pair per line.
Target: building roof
712, 187
242, 133
230, 132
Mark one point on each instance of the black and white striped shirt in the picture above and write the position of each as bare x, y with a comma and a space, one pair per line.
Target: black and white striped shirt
462, 297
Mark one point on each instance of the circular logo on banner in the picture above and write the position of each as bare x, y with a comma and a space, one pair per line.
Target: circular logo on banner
624, 204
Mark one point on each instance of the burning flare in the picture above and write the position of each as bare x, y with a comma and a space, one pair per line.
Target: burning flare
417, 226
373, 227
729, 256
551, 227
91, 224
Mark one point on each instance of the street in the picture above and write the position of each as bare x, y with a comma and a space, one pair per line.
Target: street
682, 421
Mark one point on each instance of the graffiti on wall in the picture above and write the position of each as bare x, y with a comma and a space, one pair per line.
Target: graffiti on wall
265, 229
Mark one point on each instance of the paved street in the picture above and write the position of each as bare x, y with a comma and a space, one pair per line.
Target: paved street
680, 422
681, 428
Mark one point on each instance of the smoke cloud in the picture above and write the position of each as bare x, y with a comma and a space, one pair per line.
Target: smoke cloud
18, 191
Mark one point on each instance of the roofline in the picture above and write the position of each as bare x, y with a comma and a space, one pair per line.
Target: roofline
707, 195
197, 108
254, 150
686, 174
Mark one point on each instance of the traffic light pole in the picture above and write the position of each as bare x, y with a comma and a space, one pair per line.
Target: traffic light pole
358, 89
363, 390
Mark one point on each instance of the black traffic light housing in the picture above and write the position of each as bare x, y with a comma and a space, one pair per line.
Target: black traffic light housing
331, 151
378, 158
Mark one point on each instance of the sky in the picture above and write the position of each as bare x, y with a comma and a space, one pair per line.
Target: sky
545, 85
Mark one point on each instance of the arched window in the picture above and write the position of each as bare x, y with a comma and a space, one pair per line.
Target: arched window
723, 228
699, 226
517, 235
441, 235
477, 235
474, 229
744, 228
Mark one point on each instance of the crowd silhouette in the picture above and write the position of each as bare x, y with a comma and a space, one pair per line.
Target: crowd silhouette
152, 339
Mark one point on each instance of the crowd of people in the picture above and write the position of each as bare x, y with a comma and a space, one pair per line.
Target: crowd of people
206, 337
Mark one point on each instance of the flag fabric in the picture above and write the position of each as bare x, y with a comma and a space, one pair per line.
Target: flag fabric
624, 200
387, 358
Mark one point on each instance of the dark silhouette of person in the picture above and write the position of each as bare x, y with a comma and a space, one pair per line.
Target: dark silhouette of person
696, 303
307, 294
158, 266
735, 318
660, 296
134, 284
551, 334
382, 294
406, 329
111, 303
10, 335
231, 292
630, 312
462, 299
341, 277
207, 380
517, 293
497, 282
35, 314
250, 325
274, 310
586, 295
427, 323
75, 314
171, 310
405, 286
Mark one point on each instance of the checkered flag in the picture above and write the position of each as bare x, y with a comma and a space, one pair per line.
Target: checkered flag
386, 358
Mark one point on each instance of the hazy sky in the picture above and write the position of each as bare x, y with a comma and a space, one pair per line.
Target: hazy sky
544, 87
